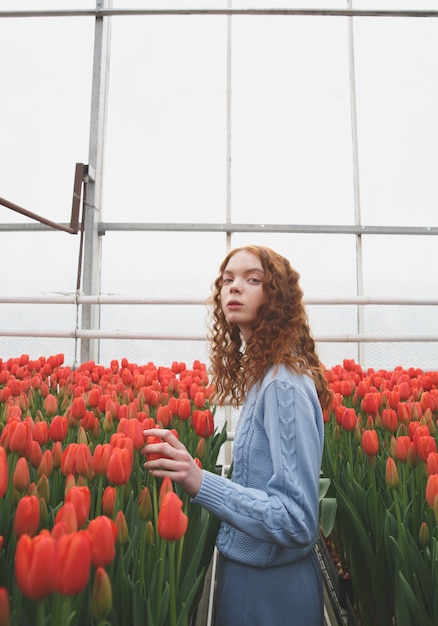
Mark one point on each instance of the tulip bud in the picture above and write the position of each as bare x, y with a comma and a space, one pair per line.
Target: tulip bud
392, 447
50, 405
122, 528
424, 535
101, 595
108, 500
201, 448
391, 473
82, 436
21, 477
44, 513
46, 464
149, 534
108, 422
5, 607
145, 504
43, 487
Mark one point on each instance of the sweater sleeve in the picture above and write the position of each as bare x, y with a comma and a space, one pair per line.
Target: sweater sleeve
286, 511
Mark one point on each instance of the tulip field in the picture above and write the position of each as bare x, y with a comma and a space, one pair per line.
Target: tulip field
380, 456
87, 537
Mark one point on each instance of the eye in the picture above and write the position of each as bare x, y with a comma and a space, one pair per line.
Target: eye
226, 281
254, 281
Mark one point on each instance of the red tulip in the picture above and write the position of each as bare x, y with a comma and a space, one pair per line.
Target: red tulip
203, 423
21, 477
370, 442
412, 458
35, 454
122, 528
58, 428
33, 558
432, 463
27, 516
349, 419
101, 455
46, 464
3, 472
164, 416
66, 516
132, 428
103, 533
120, 466
432, 489
401, 447
93, 397
199, 399
371, 402
389, 420
415, 411
391, 473
41, 432
57, 454
184, 409
109, 500
50, 405
424, 446
71, 563
80, 497
172, 522
166, 487
84, 461
20, 438
403, 412
78, 408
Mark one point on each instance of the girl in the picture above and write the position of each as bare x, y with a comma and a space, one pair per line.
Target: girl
263, 357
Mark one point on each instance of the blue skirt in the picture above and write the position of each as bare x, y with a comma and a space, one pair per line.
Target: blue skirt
287, 595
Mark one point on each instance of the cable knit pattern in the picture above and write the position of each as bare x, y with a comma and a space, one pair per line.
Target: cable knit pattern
270, 508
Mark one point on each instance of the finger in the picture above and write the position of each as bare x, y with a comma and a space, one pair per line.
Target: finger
165, 434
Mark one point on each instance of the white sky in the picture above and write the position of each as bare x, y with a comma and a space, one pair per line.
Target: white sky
165, 150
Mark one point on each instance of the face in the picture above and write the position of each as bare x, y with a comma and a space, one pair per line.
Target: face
242, 290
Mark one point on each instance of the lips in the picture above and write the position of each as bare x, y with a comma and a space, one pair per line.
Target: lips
234, 304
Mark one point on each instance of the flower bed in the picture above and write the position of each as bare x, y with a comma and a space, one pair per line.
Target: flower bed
381, 457
86, 535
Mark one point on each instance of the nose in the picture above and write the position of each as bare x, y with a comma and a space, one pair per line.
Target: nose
235, 286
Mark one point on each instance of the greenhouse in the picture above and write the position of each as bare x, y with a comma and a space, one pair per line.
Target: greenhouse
141, 143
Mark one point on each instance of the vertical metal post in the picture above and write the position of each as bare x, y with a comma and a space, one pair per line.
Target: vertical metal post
92, 243
356, 176
228, 128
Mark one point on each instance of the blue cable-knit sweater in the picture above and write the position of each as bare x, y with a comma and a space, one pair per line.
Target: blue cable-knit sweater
270, 507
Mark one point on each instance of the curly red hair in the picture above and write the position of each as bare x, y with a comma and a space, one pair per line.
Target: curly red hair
281, 333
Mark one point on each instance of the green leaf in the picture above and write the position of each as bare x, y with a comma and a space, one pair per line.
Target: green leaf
324, 484
327, 517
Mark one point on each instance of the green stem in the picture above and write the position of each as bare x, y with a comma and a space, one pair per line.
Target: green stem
41, 614
98, 498
159, 589
172, 583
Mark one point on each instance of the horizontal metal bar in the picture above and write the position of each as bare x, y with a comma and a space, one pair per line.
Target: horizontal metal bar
339, 229
108, 334
40, 219
110, 12
133, 300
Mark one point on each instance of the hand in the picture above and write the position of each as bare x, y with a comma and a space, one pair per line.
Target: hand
175, 461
